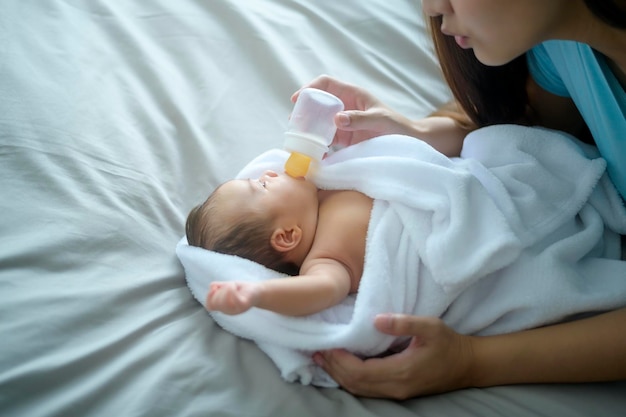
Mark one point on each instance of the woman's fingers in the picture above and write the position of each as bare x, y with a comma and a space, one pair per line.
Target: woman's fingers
435, 360
367, 378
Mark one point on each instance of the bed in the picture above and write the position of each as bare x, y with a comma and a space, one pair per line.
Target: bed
115, 119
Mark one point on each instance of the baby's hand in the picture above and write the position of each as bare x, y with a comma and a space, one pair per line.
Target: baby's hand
231, 297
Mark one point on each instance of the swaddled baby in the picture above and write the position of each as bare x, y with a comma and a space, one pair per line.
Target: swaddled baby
505, 238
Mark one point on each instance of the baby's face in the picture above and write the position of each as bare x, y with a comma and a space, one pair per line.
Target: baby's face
271, 193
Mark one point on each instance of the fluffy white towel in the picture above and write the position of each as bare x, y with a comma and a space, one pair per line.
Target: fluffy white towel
521, 231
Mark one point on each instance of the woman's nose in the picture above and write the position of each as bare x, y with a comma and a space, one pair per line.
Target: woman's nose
433, 8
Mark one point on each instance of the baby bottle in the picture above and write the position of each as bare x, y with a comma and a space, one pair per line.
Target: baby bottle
310, 130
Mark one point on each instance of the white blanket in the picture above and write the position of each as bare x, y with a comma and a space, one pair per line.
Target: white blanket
521, 231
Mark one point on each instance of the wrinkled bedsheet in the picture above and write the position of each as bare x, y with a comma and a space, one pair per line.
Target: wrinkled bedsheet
116, 117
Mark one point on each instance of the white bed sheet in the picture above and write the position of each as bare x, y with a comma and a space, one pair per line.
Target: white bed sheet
116, 117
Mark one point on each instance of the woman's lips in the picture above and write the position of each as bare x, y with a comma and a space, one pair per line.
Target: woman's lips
462, 41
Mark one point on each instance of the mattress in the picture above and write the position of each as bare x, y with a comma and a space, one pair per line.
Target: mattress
115, 119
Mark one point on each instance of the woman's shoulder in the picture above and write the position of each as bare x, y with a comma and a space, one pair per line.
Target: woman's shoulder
559, 51
559, 65
576, 70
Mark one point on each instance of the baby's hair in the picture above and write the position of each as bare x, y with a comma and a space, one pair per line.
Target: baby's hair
247, 237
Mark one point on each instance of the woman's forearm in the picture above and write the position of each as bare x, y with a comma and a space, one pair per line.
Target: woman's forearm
591, 349
442, 133
445, 128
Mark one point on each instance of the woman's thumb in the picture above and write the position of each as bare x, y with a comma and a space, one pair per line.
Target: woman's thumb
403, 324
358, 120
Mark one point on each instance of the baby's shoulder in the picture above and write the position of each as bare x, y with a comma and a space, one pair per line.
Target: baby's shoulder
343, 220
330, 198
344, 207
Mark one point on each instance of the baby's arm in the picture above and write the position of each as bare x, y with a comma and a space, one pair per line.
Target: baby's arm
325, 284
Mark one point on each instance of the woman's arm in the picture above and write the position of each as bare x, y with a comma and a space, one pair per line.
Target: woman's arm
440, 360
366, 117
324, 285
588, 350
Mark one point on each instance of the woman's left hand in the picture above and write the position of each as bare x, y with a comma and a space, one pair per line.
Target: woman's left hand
437, 360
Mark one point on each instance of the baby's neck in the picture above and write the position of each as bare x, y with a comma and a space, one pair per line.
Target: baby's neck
323, 194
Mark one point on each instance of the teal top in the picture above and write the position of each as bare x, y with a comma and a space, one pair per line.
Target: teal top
572, 69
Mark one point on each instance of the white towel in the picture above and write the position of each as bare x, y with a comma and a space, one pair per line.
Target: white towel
519, 232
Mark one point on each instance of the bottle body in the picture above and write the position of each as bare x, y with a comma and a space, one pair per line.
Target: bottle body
311, 130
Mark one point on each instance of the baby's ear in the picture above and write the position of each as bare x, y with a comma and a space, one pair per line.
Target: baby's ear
284, 240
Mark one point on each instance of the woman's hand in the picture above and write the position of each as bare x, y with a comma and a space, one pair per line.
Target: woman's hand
364, 116
437, 360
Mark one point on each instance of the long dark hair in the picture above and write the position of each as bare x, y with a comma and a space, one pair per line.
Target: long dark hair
488, 95
611, 12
